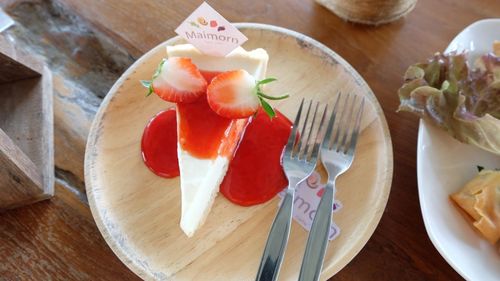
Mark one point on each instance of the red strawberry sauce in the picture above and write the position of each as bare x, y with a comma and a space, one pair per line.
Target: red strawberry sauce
159, 144
202, 129
254, 175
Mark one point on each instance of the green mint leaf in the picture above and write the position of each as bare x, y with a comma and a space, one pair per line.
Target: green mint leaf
266, 81
267, 108
146, 83
261, 94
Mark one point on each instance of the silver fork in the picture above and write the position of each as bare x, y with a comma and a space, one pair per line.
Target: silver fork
337, 153
299, 160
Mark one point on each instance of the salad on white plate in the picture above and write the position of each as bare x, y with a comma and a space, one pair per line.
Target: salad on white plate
457, 94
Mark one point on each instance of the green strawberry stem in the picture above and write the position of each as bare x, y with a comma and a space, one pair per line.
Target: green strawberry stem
261, 94
266, 81
149, 83
262, 97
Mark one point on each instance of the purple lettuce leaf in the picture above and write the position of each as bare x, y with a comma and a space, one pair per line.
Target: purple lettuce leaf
463, 101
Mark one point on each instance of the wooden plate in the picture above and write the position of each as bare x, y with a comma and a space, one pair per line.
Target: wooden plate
138, 213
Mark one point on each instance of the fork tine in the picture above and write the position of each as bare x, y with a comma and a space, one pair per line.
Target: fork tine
307, 143
293, 134
317, 141
355, 130
300, 143
335, 145
329, 128
347, 126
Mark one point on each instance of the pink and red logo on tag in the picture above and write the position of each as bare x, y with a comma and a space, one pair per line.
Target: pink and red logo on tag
307, 196
210, 32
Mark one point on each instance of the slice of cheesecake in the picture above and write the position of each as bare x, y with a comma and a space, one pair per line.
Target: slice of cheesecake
207, 141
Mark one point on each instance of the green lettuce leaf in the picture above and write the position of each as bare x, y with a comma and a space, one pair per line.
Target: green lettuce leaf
463, 101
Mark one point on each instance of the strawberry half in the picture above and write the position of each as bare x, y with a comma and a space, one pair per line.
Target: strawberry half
236, 94
230, 94
177, 80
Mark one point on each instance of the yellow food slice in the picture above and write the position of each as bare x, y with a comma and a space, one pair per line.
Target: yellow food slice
496, 48
480, 198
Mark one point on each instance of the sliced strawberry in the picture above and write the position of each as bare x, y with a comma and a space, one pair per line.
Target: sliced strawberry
178, 80
232, 94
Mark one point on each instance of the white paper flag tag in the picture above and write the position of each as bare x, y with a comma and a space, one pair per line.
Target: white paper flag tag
210, 32
307, 197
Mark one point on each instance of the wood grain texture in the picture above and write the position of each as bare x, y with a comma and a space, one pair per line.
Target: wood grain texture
372, 12
138, 212
11, 70
85, 63
20, 182
26, 117
56, 240
71, 48
15, 65
399, 248
74, 110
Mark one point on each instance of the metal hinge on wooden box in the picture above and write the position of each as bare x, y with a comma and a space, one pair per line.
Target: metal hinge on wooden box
26, 128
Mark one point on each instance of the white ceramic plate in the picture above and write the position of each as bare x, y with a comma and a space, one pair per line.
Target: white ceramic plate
444, 165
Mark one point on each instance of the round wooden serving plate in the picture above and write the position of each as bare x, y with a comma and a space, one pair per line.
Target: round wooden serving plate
138, 212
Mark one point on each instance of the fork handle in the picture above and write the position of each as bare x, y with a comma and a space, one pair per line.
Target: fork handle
277, 240
318, 237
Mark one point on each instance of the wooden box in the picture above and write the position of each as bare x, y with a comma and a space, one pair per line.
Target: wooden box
26, 128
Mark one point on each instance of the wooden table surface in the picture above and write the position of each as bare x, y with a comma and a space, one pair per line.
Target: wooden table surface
88, 44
